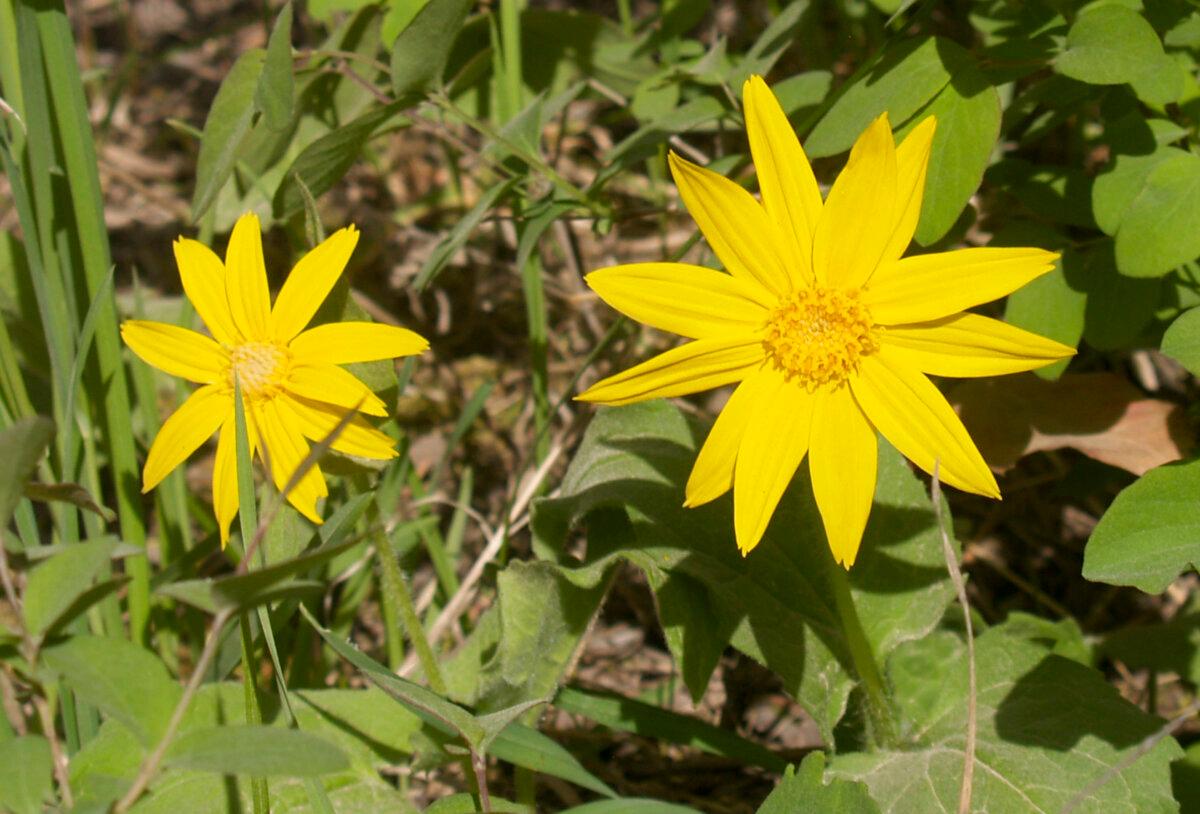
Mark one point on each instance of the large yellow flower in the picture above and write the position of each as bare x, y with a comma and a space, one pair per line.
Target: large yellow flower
829, 331
292, 386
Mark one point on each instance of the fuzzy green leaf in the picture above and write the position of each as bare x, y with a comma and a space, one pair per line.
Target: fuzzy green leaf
420, 52
804, 789
275, 94
56, 584
1161, 226
1182, 340
261, 751
26, 769
21, 447
227, 123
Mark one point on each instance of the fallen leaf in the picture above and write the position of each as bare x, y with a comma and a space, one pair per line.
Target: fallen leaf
1100, 414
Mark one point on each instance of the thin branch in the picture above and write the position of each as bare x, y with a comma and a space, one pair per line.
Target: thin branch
150, 765
960, 588
56, 751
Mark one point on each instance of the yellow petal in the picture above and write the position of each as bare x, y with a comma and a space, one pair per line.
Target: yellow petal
699, 365
916, 418
203, 276
860, 212
225, 478
342, 343
735, 225
182, 434
912, 163
712, 474
971, 345
774, 445
789, 190
333, 385
316, 421
284, 448
246, 280
176, 350
842, 461
691, 301
310, 282
931, 286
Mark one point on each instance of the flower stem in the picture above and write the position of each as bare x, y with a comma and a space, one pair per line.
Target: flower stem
881, 727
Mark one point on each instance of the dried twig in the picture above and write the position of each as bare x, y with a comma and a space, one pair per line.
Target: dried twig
960, 588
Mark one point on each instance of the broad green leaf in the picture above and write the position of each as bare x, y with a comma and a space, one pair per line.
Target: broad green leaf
56, 584
420, 52
1047, 728
1151, 532
1182, 340
227, 123
630, 715
26, 771
968, 123
523, 746
71, 493
120, 679
901, 82
805, 789
1119, 308
463, 803
1161, 227
275, 93
21, 447
1172, 646
1051, 307
323, 162
261, 751
1110, 44
630, 805
1115, 189
774, 605
1185, 777
192, 792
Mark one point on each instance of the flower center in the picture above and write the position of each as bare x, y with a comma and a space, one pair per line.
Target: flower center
816, 336
260, 367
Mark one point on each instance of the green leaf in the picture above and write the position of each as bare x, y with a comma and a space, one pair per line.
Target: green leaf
262, 751
420, 52
26, 771
463, 803
1051, 307
71, 493
56, 584
323, 162
1110, 44
1119, 308
1115, 189
1047, 728
902, 81
1171, 646
775, 605
120, 679
1151, 532
1161, 227
968, 124
462, 230
524, 746
275, 93
21, 447
1182, 340
227, 123
630, 805
805, 790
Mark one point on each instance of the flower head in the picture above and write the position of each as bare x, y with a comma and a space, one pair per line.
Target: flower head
829, 332
292, 386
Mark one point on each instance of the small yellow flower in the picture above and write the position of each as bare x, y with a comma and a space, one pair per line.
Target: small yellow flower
829, 332
292, 386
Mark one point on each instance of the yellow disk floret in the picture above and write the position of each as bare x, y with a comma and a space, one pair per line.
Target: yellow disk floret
261, 367
817, 335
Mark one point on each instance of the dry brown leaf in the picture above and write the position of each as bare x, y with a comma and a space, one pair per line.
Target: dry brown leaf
1100, 414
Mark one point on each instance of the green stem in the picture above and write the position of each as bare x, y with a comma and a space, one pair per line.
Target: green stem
396, 592
881, 727
258, 785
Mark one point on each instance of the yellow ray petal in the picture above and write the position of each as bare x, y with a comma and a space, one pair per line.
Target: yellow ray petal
176, 350
735, 225
342, 343
912, 162
917, 419
203, 276
317, 420
333, 385
712, 474
774, 445
225, 481
246, 280
842, 461
699, 365
284, 448
691, 301
860, 212
970, 345
182, 434
310, 282
931, 286
789, 190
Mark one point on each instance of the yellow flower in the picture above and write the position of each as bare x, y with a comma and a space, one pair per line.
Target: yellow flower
829, 332
292, 387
